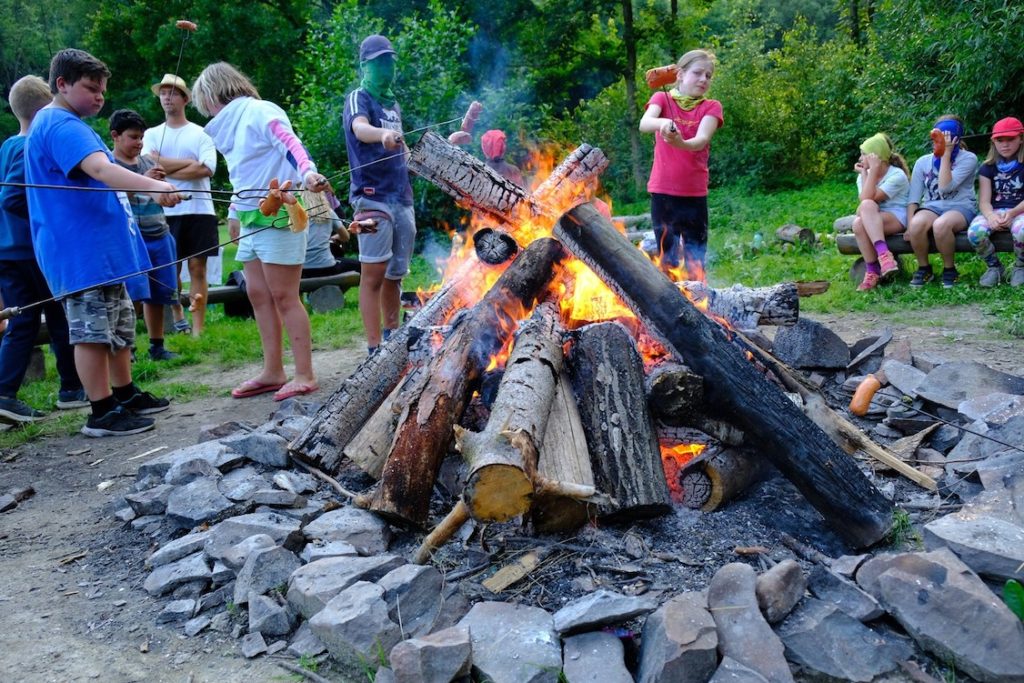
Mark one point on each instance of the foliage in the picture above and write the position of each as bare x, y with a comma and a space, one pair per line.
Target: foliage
1013, 596
903, 534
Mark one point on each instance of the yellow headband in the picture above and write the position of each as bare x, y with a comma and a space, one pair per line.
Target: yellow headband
878, 145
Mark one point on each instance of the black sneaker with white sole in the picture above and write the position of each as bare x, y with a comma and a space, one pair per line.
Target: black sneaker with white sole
117, 422
14, 411
145, 403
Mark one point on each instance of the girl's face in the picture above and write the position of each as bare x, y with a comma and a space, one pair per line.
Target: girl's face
1007, 147
696, 80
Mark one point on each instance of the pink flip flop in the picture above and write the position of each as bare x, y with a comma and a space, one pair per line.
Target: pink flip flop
251, 387
292, 389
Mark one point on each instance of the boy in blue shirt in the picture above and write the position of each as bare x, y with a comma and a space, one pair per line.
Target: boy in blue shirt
86, 242
21, 282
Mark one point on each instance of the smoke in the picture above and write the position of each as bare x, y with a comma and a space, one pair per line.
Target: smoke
435, 251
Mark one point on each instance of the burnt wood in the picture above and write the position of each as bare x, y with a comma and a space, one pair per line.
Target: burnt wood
720, 475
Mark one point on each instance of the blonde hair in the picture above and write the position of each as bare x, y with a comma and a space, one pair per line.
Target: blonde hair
28, 95
219, 84
993, 156
694, 56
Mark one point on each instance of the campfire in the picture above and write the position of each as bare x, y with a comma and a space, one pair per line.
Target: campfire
576, 380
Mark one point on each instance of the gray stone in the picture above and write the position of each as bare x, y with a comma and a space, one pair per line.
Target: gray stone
949, 611
968, 455
221, 574
600, 608
215, 453
305, 514
264, 569
276, 647
743, 633
196, 625
454, 606
221, 622
903, 376
305, 643
230, 532
178, 548
952, 383
886, 432
354, 625
513, 643
190, 590
123, 515
413, 595
847, 565
253, 645
176, 611
216, 598
809, 344
731, 671
269, 617
779, 589
679, 642
150, 524
151, 501
945, 437
278, 498
995, 408
438, 658
991, 547
266, 449
318, 550
594, 658
326, 299
844, 594
384, 675
313, 585
239, 485
830, 645
296, 482
169, 576
237, 554
189, 470
219, 431
196, 502
366, 531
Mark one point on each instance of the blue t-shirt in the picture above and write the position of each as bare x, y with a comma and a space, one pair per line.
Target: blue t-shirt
1007, 186
15, 235
82, 239
382, 181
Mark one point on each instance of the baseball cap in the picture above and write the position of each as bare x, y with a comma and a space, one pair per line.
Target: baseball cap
374, 46
173, 81
1007, 127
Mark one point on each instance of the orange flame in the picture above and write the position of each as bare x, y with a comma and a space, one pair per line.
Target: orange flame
673, 459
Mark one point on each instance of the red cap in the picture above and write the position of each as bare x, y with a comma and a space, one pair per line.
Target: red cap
493, 144
1007, 127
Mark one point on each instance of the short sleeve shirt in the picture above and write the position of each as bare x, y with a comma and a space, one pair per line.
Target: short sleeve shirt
148, 214
675, 171
377, 173
896, 187
1007, 187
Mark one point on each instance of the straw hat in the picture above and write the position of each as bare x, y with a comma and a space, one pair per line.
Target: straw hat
173, 81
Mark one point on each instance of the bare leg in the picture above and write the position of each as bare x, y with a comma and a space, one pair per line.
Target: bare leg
198, 290
917, 235
92, 361
153, 314
945, 228
283, 283
268, 322
371, 281
391, 303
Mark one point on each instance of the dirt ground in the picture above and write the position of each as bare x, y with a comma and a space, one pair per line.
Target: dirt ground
72, 606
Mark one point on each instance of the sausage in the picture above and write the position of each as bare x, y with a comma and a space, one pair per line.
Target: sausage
661, 76
938, 142
186, 25
460, 137
271, 204
472, 114
861, 400
298, 219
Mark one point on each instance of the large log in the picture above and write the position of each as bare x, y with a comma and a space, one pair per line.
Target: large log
718, 476
734, 389
747, 307
503, 457
675, 395
428, 415
607, 378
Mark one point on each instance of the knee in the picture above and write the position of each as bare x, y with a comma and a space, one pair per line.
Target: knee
867, 206
858, 225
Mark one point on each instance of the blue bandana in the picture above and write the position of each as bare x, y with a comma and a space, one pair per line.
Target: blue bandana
1007, 166
956, 131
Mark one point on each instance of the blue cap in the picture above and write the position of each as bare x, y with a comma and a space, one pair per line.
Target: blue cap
374, 46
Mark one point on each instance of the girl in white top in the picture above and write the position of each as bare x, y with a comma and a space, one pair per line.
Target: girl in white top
883, 187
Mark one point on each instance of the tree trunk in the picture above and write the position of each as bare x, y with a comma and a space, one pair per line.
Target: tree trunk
734, 389
744, 307
608, 381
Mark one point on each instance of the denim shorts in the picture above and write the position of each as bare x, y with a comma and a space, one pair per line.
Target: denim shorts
103, 315
394, 240
280, 246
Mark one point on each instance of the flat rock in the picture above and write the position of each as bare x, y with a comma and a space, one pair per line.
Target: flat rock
196, 625
600, 608
809, 344
232, 531
269, 617
844, 594
305, 643
779, 589
184, 471
513, 643
176, 611
178, 548
277, 498
266, 449
313, 585
679, 642
253, 645
952, 383
151, 501
973, 450
731, 671
169, 576
949, 611
438, 658
196, 502
413, 595
995, 408
215, 453
366, 531
264, 569
991, 547
219, 431
829, 644
903, 376
847, 565
296, 482
237, 554
354, 625
239, 484
318, 550
743, 633
595, 657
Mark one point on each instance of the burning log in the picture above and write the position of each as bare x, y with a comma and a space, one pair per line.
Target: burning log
429, 412
718, 476
572, 181
675, 395
745, 308
607, 378
503, 457
734, 388
494, 246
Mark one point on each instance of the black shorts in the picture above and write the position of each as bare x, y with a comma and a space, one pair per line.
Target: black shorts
680, 219
195, 233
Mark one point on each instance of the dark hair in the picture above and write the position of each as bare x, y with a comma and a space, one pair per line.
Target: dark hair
71, 65
126, 119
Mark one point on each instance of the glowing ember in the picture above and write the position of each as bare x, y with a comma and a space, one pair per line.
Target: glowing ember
674, 458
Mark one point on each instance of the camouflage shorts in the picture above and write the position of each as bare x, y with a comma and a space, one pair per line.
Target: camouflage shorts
103, 315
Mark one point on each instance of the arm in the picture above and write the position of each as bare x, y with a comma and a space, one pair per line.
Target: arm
946, 166
182, 169
98, 167
285, 141
961, 175
985, 199
14, 199
364, 132
705, 131
869, 188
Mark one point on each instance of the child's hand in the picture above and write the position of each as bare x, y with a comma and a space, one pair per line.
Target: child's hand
316, 182
391, 139
668, 129
168, 196
859, 167
948, 140
872, 161
156, 173
1002, 220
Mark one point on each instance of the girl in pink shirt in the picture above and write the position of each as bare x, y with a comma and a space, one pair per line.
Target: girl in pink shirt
683, 121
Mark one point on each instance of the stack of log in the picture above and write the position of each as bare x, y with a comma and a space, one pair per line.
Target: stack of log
572, 431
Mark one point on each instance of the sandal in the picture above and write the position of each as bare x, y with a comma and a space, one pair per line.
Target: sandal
251, 387
182, 326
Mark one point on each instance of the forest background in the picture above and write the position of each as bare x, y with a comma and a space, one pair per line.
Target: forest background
802, 81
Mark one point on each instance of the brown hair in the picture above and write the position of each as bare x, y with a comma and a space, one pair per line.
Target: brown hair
28, 95
895, 158
72, 65
219, 84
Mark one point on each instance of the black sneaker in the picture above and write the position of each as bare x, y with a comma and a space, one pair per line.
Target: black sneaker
145, 403
949, 277
921, 275
161, 353
117, 422
18, 412
68, 399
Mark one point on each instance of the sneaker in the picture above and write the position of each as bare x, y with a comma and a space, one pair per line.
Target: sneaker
921, 275
18, 412
869, 282
145, 403
888, 263
1017, 276
69, 399
182, 326
117, 422
161, 353
991, 277
949, 277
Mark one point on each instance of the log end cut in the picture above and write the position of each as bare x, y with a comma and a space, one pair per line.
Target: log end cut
498, 493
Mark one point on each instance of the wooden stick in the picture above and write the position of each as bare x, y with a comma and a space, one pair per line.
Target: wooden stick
441, 534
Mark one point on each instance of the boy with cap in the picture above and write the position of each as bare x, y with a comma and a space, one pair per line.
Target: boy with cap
189, 158
379, 188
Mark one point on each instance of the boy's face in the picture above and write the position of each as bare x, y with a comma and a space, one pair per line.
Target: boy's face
128, 143
84, 96
172, 100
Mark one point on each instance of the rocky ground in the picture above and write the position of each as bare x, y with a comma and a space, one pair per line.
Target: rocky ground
73, 604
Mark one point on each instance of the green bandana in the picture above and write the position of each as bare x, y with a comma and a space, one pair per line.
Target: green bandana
378, 75
878, 145
685, 102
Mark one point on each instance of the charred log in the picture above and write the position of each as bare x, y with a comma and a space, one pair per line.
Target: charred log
718, 476
745, 308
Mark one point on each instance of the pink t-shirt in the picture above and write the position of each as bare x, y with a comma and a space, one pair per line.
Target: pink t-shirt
677, 171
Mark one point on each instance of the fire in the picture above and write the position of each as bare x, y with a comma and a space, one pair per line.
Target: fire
674, 458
